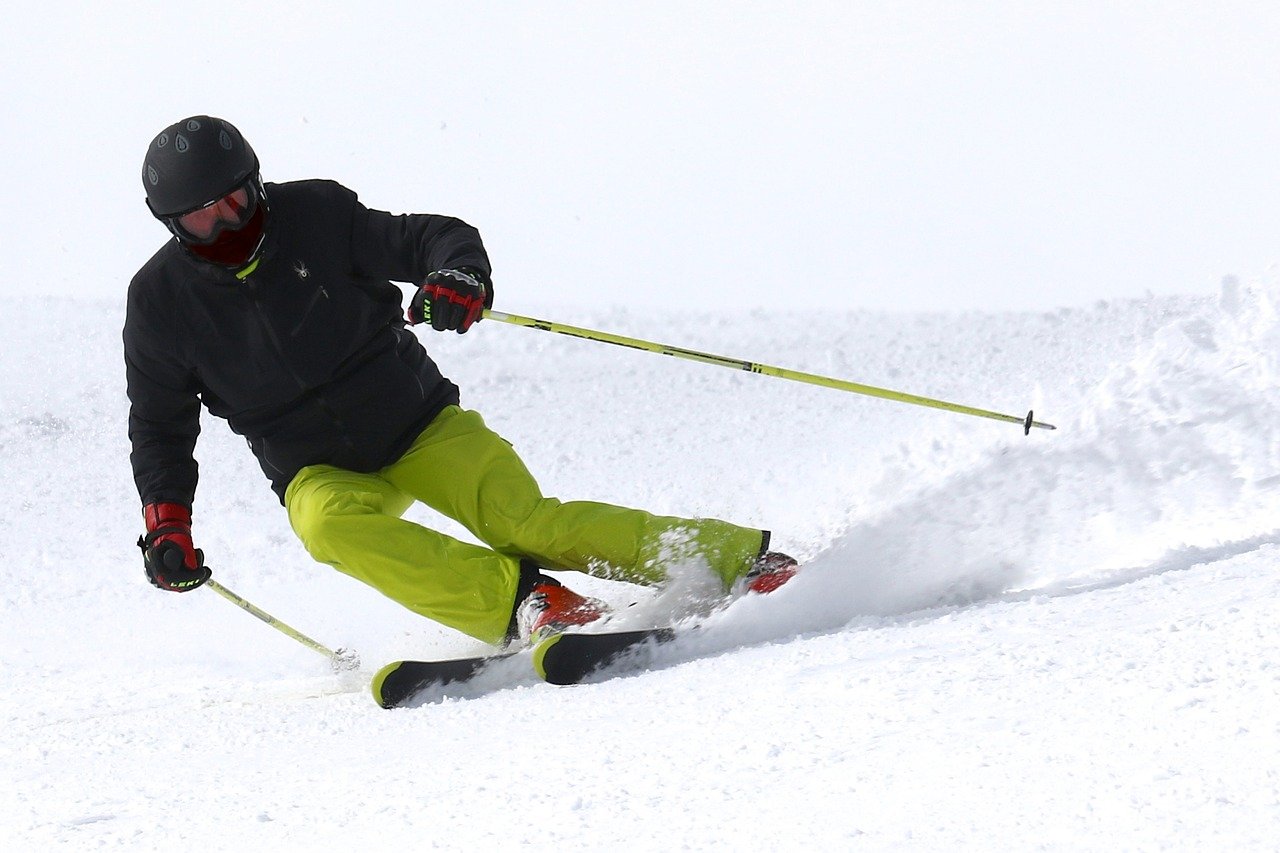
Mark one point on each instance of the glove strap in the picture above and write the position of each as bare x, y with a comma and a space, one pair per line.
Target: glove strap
145, 542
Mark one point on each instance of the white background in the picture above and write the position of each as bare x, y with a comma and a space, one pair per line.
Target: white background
911, 155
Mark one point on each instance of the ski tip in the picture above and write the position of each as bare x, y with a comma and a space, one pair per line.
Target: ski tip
540, 655
569, 658
379, 681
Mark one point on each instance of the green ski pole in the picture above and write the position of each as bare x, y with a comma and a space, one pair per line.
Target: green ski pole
342, 659
755, 367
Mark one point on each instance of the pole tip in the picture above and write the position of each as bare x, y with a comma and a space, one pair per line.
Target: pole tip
345, 660
1026, 424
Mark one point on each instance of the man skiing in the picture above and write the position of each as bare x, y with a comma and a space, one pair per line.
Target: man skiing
273, 307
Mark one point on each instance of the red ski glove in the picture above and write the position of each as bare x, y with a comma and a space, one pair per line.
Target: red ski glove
170, 560
451, 299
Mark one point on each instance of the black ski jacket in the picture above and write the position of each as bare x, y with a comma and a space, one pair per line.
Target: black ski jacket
307, 357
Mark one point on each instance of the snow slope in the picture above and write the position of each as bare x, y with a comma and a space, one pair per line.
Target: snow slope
1061, 641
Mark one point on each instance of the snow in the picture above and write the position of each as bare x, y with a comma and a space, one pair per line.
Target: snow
1059, 641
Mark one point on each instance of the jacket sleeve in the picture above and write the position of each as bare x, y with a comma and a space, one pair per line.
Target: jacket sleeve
407, 247
164, 407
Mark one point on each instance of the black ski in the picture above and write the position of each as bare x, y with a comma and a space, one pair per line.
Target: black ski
569, 658
398, 682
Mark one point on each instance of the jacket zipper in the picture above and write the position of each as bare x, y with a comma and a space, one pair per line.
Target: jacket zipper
320, 291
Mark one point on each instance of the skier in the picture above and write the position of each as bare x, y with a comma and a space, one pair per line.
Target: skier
273, 307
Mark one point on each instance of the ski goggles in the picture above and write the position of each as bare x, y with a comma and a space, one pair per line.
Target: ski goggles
232, 211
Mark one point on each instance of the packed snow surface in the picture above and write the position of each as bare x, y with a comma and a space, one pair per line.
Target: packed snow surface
1065, 640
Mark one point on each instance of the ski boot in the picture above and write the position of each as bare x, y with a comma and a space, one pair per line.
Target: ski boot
771, 570
549, 607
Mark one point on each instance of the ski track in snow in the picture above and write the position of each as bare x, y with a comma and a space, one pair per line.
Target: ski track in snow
1061, 641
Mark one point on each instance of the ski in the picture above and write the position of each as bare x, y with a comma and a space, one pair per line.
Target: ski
399, 681
569, 658
560, 659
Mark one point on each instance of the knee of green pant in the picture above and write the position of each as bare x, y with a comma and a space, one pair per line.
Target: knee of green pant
326, 489
321, 516
520, 526
313, 527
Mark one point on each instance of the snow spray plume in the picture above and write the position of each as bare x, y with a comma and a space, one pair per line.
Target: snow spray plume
1174, 455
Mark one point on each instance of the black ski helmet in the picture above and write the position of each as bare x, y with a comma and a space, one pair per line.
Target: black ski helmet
194, 161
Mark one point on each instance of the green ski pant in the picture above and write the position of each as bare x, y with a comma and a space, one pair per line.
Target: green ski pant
461, 469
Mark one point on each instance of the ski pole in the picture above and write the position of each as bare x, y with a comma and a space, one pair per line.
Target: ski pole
755, 367
339, 660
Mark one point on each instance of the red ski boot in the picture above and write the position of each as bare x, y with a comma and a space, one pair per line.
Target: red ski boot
551, 608
771, 570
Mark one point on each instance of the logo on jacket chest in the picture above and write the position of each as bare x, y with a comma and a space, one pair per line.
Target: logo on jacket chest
301, 269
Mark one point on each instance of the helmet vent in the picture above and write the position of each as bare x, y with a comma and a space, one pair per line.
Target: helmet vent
196, 160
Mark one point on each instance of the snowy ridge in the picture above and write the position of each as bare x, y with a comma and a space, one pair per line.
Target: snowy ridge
1064, 640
